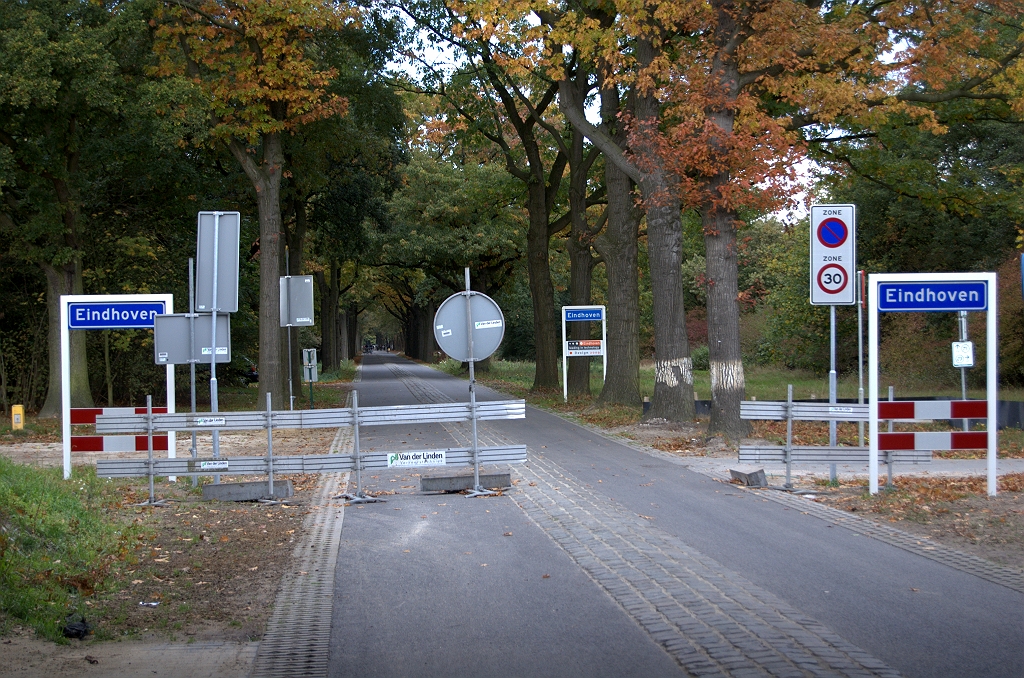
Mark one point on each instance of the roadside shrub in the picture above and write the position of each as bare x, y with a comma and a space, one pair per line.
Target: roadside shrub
701, 358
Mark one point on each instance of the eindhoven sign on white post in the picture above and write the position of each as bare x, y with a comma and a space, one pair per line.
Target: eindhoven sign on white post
833, 255
106, 312
933, 292
583, 347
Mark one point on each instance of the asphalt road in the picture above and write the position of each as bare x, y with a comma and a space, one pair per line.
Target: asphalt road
623, 563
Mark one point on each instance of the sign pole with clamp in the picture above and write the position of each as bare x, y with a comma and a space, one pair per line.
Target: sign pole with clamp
150, 463
477, 490
192, 352
358, 497
833, 262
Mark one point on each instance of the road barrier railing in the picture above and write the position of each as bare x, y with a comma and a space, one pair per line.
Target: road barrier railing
790, 411
355, 417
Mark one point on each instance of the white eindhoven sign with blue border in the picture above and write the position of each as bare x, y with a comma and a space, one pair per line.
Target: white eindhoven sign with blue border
106, 312
933, 295
582, 314
933, 292
583, 347
109, 315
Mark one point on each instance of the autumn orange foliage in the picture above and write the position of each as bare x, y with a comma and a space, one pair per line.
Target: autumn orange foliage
253, 61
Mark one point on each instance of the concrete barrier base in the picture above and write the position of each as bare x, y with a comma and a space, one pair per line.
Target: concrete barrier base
252, 491
464, 482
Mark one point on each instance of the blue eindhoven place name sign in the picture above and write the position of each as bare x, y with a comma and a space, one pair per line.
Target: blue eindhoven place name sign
955, 295
576, 314
109, 315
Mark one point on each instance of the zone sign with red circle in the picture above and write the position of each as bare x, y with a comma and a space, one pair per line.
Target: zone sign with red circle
833, 254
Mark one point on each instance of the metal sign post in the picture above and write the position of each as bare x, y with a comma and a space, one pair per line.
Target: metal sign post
860, 352
963, 357
583, 347
281, 300
296, 310
470, 330
309, 372
106, 312
217, 238
934, 292
833, 261
192, 351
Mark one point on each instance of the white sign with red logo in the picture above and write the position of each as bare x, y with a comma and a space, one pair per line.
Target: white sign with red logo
833, 255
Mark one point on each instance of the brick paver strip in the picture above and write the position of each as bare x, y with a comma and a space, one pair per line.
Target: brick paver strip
712, 620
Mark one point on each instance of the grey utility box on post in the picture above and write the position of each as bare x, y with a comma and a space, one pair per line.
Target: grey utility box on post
228, 227
171, 339
296, 300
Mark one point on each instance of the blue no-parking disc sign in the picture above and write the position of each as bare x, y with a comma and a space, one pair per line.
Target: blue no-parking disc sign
833, 255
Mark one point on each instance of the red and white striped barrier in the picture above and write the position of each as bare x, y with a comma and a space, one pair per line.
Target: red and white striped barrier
87, 416
117, 443
927, 410
934, 440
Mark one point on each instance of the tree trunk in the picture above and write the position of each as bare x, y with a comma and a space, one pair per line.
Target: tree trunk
345, 350
327, 322
541, 290
673, 368
725, 354
352, 330
581, 261
618, 247
727, 380
266, 180
66, 279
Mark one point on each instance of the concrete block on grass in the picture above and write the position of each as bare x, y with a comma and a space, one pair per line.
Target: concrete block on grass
464, 482
251, 491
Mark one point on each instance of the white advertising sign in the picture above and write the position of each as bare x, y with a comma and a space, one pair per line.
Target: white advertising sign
419, 458
833, 255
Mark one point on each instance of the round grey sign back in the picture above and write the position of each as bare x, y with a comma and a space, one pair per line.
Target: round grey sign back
451, 330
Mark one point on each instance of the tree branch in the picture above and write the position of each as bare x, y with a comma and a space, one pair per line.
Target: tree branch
597, 137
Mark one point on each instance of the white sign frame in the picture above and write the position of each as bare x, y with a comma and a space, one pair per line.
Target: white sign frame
827, 258
565, 344
65, 362
991, 361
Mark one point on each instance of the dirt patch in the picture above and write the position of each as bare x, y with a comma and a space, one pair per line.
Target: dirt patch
953, 511
686, 440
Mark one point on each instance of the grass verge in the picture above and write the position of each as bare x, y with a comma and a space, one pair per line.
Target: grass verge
60, 541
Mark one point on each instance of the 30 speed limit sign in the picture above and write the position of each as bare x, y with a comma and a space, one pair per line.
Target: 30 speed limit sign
833, 254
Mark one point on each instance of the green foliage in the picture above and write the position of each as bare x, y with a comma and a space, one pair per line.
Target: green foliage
58, 543
796, 334
517, 307
934, 202
449, 216
701, 358
346, 372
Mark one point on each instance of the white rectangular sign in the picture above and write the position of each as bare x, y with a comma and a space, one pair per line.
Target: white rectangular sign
963, 354
833, 255
584, 347
417, 458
